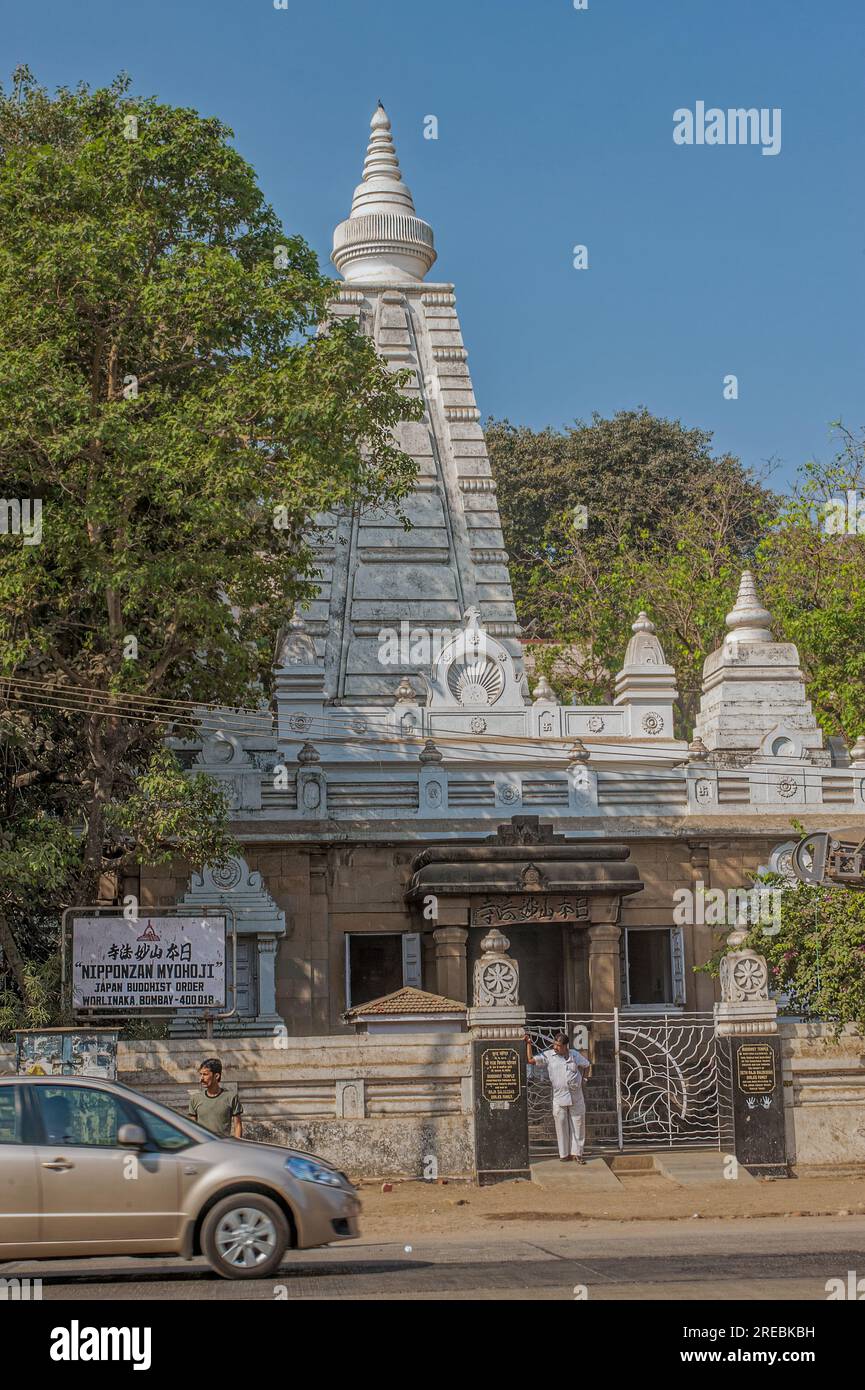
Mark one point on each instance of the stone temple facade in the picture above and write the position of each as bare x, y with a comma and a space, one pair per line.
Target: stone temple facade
408, 791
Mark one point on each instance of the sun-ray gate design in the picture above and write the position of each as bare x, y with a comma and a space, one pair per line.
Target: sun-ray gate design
658, 1081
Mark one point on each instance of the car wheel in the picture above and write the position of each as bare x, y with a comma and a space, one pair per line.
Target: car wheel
245, 1236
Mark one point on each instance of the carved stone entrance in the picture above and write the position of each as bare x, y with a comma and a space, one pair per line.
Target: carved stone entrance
528, 879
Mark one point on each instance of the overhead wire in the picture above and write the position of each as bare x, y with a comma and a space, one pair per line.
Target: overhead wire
214, 719
325, 728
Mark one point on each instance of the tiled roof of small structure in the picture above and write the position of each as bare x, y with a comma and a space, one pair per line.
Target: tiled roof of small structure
409, 1001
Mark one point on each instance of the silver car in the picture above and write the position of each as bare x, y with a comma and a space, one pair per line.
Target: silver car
90, 1167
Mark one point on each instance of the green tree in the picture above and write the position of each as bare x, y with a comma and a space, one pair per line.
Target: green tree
816, 959
174, 398
811, 569
667, 527
636, 475
669, 530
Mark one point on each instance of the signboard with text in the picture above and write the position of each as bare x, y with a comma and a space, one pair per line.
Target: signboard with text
159, 963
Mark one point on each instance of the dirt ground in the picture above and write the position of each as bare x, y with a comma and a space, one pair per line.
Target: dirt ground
456, 1208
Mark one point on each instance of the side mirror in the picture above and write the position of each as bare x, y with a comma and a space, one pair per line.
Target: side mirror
131, 1137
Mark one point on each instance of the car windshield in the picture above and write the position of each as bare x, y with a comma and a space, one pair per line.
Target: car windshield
166, 1113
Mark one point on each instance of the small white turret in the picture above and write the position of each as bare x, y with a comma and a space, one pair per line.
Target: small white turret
753, 697
646, 684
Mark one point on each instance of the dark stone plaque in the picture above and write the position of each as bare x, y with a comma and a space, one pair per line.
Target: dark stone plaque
758, 1104
755, 1068
501, 1111
501, 1082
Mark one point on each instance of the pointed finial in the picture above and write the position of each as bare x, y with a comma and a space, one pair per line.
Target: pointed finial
748, 620
405, 693
382, 178
543, 691
697, 750
382, 241
295, 646
643, 648
495, 943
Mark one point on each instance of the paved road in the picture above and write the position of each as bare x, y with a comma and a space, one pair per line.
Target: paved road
760, 1260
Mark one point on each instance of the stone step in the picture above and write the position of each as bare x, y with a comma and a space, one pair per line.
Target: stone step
633, 1163
591, 1176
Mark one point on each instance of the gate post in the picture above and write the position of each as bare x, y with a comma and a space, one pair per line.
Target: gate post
746, 1026
618, 1081
501, 1104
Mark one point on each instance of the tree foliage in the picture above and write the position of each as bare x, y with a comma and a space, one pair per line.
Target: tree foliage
812, 578
816, 958
669, 530
636, 475
666, 527
175, 398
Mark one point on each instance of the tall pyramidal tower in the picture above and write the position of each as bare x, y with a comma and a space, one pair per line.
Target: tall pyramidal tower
375, 574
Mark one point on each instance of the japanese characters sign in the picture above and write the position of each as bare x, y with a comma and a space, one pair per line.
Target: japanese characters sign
532, 907
148, 963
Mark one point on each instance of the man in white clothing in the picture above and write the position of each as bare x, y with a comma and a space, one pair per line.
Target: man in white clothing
567, 1070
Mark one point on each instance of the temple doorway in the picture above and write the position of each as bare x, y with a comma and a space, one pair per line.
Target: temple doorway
540, 953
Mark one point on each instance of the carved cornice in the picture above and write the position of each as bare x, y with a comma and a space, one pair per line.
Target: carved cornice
477, 484
437, 297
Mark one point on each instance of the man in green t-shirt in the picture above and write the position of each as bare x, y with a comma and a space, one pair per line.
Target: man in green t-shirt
212, 1107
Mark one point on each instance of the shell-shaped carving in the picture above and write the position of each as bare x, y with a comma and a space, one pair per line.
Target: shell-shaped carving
476, 682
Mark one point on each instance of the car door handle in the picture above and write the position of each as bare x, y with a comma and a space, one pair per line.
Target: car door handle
59, 1165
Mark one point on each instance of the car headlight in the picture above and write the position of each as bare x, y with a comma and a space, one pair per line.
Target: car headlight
307, 1171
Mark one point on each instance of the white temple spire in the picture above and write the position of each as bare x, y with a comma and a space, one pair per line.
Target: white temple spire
382, 186
382, 241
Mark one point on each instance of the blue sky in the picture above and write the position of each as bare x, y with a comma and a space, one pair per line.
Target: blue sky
555, 128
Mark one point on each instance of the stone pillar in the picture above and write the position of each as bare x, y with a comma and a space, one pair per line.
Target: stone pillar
605, 982
498, 1022
746, 1025
267, 1010
430, 968
450, 959
699, 940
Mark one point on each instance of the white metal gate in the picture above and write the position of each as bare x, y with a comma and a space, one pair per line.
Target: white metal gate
658, 1081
